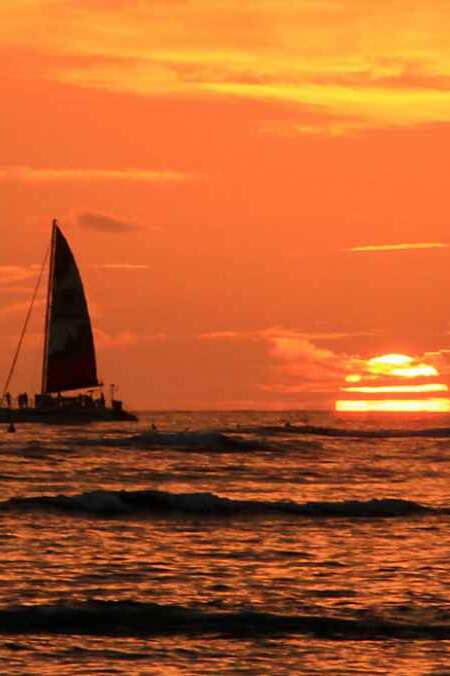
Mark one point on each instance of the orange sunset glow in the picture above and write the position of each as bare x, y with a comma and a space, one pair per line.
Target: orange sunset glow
255, 193
391, 368
224, 337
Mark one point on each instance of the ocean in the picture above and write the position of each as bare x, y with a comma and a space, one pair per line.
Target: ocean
226, 543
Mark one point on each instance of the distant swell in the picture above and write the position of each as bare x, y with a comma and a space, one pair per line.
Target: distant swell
434, 432
109, 618
195, 440
123, 503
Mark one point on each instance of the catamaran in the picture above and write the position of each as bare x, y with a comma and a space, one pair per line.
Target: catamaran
69, 362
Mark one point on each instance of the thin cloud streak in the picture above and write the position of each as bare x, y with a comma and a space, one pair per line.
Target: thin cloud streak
19, 308
280, 332
398, 247
10, 274
385, 389
123, 339
40, 175
120, 266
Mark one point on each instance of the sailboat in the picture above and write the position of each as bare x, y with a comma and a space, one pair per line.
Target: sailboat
69, 361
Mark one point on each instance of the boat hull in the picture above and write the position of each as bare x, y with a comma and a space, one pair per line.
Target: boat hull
63, 416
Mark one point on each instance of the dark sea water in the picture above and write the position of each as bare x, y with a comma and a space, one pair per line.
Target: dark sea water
238, 546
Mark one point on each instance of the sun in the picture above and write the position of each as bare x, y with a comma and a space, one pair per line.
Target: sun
394, 383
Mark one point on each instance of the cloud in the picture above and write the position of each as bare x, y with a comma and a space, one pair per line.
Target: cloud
282, 333
291, 349
308, 387
300, 366
223, 335
347, 94
104, 223
16, 290
305, 369
364, 107
121, 266
391, 369
440, 359
43, 175
19, 308
392, 70
276, 332
11, 274
299, 357
399, 389
123, 339
399, 247
304, 373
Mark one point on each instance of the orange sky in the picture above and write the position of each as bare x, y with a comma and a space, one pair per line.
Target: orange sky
256, 190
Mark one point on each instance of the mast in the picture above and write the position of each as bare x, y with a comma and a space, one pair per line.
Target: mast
48, 308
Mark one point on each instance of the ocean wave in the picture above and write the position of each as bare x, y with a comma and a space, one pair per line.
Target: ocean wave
195, 441
130, 618
287, 429
154, 502
200, 439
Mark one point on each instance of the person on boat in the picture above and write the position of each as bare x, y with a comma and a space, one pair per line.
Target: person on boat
22, 400
8, 399
101, 400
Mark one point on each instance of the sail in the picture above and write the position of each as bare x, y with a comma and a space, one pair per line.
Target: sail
69, 354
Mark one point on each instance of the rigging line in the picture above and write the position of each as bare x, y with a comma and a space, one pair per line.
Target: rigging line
25, 326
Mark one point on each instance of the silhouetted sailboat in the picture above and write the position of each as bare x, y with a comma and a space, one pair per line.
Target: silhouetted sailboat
69, 361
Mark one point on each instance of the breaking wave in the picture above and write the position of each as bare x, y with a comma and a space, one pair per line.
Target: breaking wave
154, 502
129, 618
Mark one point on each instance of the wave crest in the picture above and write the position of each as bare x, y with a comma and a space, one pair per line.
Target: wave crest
125, 618
117, 503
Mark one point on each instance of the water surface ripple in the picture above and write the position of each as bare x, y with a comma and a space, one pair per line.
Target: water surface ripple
224, 543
